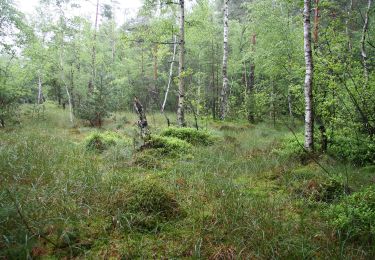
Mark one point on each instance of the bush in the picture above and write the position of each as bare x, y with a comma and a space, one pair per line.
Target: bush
291, 146
147, 204
360, 150
167, 145
102, 141
354, 216
190, 135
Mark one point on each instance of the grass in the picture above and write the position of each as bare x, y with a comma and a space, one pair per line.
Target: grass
237, 198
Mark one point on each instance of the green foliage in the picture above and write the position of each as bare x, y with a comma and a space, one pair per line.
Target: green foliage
167, 144
354, 216
100, 141
190, 135
95, 107
358, 149
291, 146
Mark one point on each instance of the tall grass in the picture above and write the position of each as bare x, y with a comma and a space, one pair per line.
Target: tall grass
238, 197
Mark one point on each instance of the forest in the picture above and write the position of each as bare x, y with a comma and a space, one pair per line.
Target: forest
189, 129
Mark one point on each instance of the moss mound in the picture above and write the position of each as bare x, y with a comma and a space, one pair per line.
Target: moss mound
190, 135
322, 191
100, 141
149, 159
148, 205
167, 144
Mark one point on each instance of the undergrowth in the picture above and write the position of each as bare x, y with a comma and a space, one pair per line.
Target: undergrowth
236, 198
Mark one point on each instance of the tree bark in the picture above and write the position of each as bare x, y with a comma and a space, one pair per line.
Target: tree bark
363, 43
224, 90
170, 74
309, 118
66, 89
316, 22
181, 69
40, 91
251, 85
347, 26
93, 56
142, 122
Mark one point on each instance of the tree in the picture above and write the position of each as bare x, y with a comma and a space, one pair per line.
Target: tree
224, 90
181, 68
309, 117
363, 43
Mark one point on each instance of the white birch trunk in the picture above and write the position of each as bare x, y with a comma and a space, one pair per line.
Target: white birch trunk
363, 42
290, 103
181, 87
40, 92
309, 119
67, 90
170, 74
224, 90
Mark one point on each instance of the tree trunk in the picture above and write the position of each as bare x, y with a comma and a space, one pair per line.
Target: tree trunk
170, 74
155, 91
251, 85
93, 57
290, 106
213, 101
66, 89
309, 121
363, 42
347, 26
316, 22
142, 122
224, 90
40, 92
181, 69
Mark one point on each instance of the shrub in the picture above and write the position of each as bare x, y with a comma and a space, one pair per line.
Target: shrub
190, 135
148, 204
360, 150
166, 144
291, 146
102, 141
354, 216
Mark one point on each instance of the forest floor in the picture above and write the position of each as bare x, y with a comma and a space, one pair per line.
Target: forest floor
238, 198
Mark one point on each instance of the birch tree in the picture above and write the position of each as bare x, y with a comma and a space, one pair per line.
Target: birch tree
363, 42
224, 90
170, 74
309, 121
181, 68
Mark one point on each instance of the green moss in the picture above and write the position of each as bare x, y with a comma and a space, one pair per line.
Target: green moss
167, 145
190, 135
98, 141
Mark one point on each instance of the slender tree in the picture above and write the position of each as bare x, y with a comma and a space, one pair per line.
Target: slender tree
170, 74
224, 90
316, 21
181, 68
93, 55
251, 83
363, 42
309, 118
